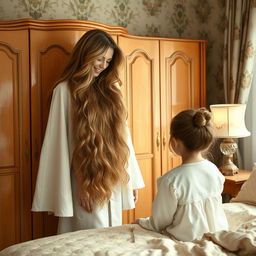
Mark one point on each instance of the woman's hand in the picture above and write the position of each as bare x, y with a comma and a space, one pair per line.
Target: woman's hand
83, 197
85, 200
135, 195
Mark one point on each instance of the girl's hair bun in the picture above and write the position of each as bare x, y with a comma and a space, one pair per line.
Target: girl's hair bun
201, 117
193, 128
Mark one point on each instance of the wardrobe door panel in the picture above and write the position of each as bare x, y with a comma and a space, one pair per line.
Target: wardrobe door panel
15, 194
9, 104
10, 209
141, 127
140, 77
182, 87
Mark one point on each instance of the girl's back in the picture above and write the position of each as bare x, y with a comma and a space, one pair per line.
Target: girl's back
194, 181
196, 189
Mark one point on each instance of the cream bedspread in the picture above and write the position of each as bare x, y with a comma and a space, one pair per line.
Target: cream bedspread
131, 239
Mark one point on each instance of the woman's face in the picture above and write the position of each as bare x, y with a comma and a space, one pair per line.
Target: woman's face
102, 62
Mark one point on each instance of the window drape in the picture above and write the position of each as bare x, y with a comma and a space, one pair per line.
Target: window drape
248, 144
239, 49
238, 67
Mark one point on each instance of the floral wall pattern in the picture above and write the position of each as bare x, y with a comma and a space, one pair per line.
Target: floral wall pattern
193, 19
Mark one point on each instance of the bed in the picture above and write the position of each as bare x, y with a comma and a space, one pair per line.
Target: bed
131, 239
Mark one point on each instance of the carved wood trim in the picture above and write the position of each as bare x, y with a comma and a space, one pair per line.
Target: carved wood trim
65, 24
169, 61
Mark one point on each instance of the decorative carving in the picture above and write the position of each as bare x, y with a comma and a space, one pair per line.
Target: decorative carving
170, 62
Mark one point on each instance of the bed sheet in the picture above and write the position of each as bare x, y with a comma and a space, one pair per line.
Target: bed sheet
131, 239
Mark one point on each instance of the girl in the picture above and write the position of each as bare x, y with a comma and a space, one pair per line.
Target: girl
88, 172
188, 202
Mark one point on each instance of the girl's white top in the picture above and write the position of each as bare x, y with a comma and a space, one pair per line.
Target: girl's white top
188, 202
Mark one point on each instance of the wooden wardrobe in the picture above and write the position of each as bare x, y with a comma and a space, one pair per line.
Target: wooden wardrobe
161, 76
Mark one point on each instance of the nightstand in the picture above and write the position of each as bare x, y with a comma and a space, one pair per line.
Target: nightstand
234, 183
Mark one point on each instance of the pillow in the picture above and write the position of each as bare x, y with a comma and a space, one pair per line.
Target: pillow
247, 194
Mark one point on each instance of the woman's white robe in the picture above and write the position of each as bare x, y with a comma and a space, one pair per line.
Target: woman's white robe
56, 186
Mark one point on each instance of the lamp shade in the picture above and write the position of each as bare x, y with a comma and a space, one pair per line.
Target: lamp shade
228, 120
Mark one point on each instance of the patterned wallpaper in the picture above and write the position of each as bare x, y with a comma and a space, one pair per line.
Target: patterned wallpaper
194, 19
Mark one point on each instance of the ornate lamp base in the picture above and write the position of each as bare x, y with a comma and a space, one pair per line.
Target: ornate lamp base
228, 147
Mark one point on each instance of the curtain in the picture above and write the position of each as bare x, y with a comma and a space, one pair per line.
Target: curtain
239, 49
248, 144
239, 60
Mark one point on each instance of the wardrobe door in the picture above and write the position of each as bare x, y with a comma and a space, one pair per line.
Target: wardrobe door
140, 77
15, 194
182, 87
50, 51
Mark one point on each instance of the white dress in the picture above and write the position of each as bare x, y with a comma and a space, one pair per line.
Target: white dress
56, 186
188, 202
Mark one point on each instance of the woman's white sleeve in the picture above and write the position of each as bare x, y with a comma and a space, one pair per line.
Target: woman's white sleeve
133, 167
53, 187
136, 180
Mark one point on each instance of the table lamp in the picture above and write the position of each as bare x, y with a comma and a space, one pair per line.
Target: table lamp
228, 121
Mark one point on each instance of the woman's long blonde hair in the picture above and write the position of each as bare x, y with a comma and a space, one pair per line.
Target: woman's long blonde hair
101, 152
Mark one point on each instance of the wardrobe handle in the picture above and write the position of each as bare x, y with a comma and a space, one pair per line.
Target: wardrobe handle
164, 140
158, 140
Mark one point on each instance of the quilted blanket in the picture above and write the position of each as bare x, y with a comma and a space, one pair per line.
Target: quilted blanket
131, 239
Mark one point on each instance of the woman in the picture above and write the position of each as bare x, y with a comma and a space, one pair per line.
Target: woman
87, 139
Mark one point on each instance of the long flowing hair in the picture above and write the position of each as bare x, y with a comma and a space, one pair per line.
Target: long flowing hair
101, 153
